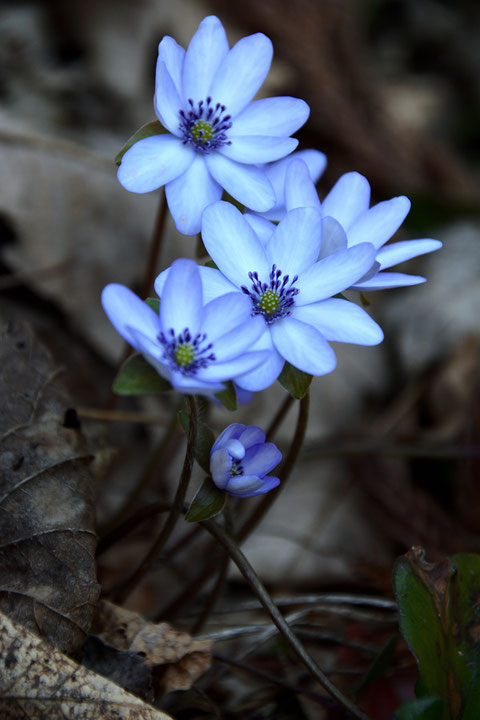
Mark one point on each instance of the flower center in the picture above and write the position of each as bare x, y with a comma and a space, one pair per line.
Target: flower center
185, 353
274, 299
204, 125
237, 469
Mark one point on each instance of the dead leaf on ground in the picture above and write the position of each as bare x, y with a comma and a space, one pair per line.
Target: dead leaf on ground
47, 539
176, 658
38, 682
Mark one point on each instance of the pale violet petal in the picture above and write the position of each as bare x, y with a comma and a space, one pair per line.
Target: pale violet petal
252, 149
388, 280
295, 244
236, 449
262, 227
240, 339
242, 72
252, 485
214, 284
172, 54
334, 237
153, 162
167, 100
222, 315
230, 369
260, 459
232, 244
192, 385
246, 183
303, 346
340, 321
232, 431
190, 194
181, 300
265, 374
334, 274
378, 224
251, 435
207, 49
277, 116
220, 467
348, 199
125, 310
405, 250
300, 190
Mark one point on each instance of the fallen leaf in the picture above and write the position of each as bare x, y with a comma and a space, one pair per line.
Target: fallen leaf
38, 682
47, 538
176, 658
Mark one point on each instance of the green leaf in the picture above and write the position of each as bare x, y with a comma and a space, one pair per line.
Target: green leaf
137, 377
208, 502
439, 608
295, 381
211, 264
364, 300
205, 440
379, 665
153, 303
425, 709
151, 128
228, 397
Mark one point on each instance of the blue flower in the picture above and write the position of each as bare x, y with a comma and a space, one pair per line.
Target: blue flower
287, 287
240, 460
195, 347
348, 221
216, 136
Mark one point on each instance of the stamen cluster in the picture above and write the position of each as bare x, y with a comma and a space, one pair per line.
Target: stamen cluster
185, 353
274, 299
204, 126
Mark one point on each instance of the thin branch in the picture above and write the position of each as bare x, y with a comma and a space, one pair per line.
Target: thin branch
155, 245
118, 416
279, 417
129, 525
284, 628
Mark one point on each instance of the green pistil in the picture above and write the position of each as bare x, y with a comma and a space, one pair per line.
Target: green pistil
269, 302
184, 354
202, 131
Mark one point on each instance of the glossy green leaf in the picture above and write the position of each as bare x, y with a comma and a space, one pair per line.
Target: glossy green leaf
425, 709
295, 381
228, 397
137, 377
153, 303
208, 502
151, 128
439, 608
205, 440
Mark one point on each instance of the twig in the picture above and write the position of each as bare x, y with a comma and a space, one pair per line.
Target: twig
155, 245
118, 533
284, 628
119, 416
279, 417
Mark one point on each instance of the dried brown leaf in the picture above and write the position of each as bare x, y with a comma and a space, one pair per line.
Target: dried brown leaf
175, 657
47, 539
38, 682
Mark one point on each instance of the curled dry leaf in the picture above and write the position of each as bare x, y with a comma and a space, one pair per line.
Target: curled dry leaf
176, 659
38, 682
47, 539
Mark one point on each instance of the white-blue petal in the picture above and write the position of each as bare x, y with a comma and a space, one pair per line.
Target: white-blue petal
220, 467
348, 199
388, 280
182, 299
334, 274
262, 227
400, 251
341, 321
242, 72
190, 194
236, 449
378, 224
214, 284
252, 149
250, 485
303, 346
246, 183
295, 243
222, 315
265, 374
172, 54
251, 435
208, 47
124, 310
334, 237
167, 100
232, 244
260, 459
300, 190
153, 162
229, 370
232, 431
277, 116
